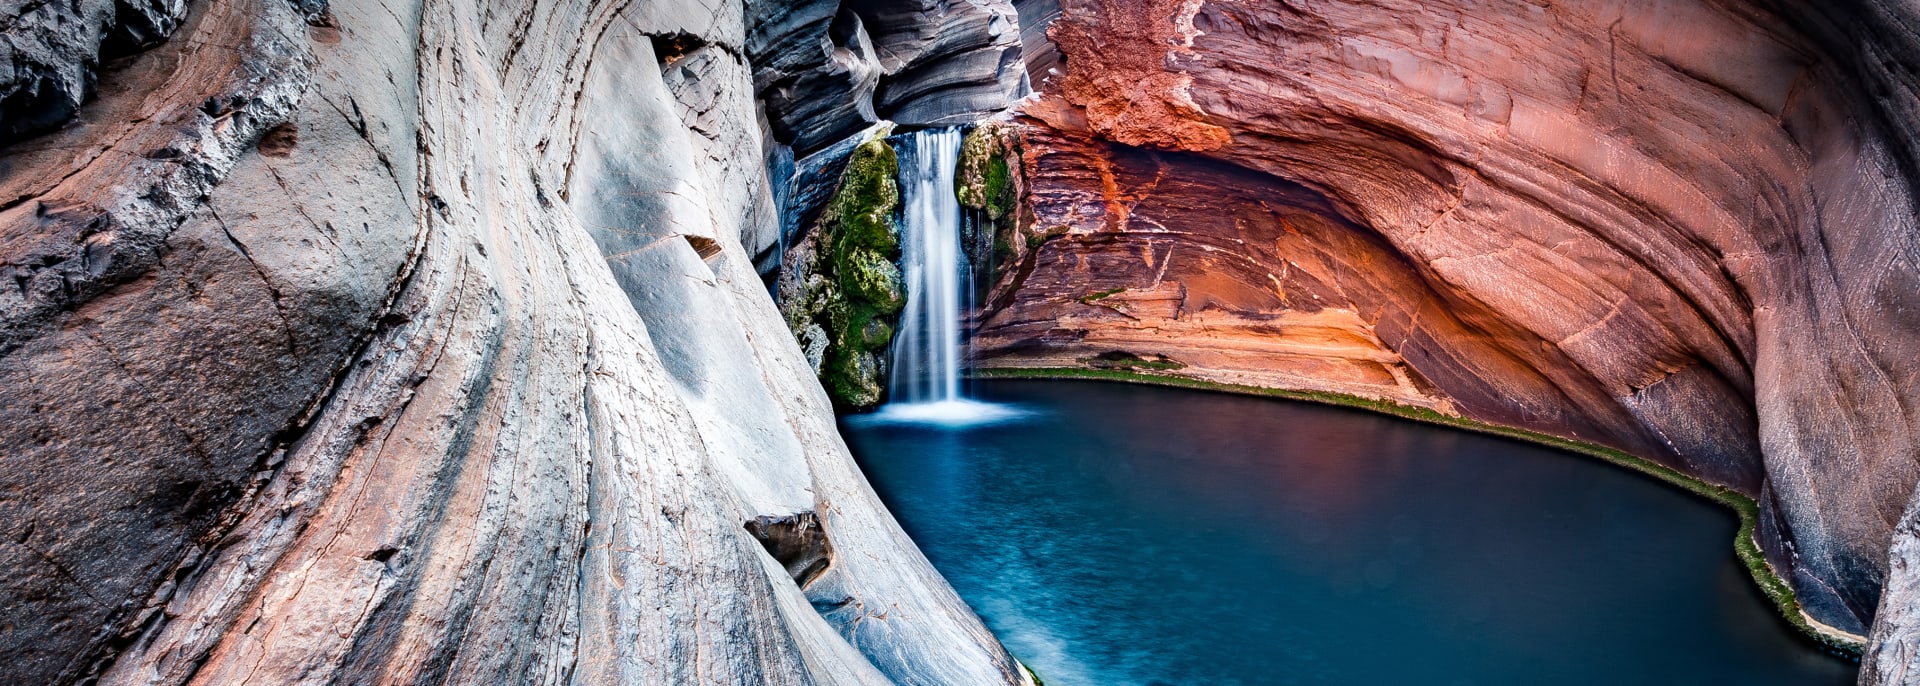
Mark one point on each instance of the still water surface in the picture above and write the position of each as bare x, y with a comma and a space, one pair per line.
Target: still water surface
1132, 535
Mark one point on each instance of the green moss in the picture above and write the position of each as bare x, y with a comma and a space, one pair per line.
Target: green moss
867, 277
863, 241
876, 334
852, 377
861, 214
999, 189
984, 178
853, 286
1744, 544
987, 181
1089, 298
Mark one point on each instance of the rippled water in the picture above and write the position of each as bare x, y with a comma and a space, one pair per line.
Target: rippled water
1130, 535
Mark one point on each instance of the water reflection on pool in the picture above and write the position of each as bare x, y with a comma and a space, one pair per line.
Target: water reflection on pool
1120, 534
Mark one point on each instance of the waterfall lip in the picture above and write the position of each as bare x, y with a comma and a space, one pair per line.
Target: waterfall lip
952, 414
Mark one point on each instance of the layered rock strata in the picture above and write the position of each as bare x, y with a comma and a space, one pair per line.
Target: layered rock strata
828, 69
828, 72
420, 340
401, 341
1684, 229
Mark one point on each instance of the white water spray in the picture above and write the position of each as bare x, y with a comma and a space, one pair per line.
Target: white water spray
927, 353
926, 357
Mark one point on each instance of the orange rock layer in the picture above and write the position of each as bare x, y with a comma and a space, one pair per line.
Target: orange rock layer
1682, 229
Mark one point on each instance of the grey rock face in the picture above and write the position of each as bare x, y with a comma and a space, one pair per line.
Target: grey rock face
946, 61
50, 52
828, 69
713, 93
1036, 50
90, 206
1893, 649
814, 67
129, 295
465, 352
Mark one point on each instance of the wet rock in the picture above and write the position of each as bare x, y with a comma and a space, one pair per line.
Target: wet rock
989, 183
841, 278
988, 178
815, 179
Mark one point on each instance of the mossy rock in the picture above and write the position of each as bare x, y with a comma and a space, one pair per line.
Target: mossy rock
985, 180
999, 189
861, 215
876, 334
873, 280
837, 318
852, 378
864, 329
846, 289
803, 299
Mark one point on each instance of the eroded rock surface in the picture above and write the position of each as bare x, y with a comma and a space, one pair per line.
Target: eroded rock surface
53, 52
827, 69
426, 341
401, 341
1685, 229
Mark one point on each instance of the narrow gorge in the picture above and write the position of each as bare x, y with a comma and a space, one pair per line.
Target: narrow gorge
522, 341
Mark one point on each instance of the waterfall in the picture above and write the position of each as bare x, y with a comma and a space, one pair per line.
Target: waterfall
926, 355
927, 352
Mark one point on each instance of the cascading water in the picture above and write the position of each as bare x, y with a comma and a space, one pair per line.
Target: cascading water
926, 357
927, 353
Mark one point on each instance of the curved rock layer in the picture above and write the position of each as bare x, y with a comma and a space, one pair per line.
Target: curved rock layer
415, 342
1686, 229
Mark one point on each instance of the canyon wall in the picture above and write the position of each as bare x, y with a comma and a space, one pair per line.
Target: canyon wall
419, 341
1686, 229
429, 340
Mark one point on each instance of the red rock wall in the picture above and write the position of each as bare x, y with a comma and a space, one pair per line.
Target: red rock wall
1682, 228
